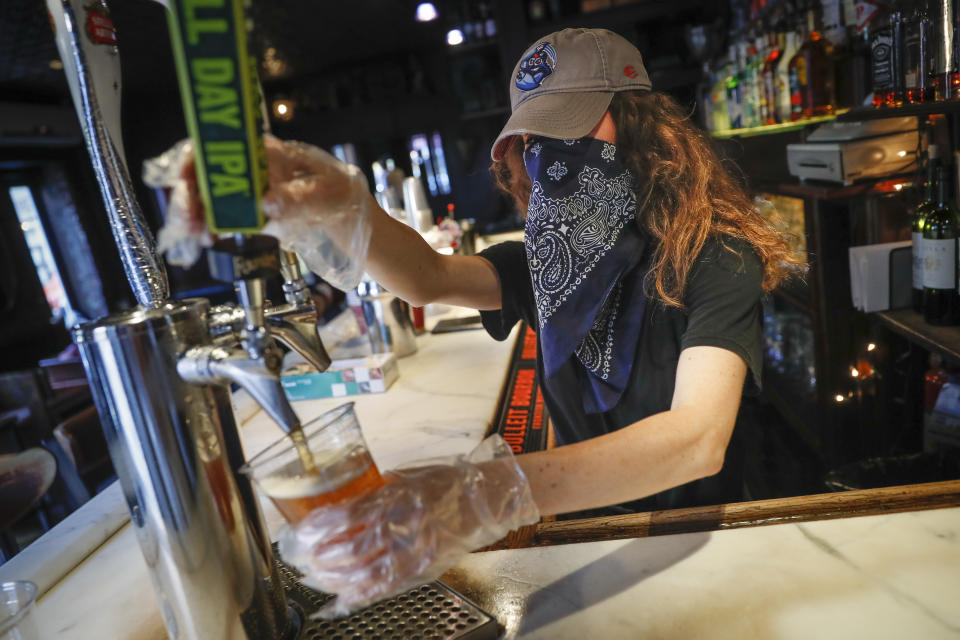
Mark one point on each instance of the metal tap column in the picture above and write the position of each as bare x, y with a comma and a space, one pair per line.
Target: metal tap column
176, 449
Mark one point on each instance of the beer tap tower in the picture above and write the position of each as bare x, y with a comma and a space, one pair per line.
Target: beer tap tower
160, 372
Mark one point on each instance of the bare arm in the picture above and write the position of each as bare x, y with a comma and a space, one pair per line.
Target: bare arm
407, 266
659, 452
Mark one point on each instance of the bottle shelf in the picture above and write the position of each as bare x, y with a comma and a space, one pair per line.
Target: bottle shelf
826, 191
911, 325
922, 109
767, 129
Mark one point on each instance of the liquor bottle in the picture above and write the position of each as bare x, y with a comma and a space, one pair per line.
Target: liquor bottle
734, 91
940, 300
760, 51
783, 76
746, 85
705, 97
812, 90
770, 63
918, 222
945, 76
896, 93
916, 55
718, 97
881, 58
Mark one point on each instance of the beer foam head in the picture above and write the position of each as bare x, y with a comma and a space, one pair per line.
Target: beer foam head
290, 487
333, 467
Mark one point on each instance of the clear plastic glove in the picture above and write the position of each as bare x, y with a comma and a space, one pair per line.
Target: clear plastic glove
321, 208
184, 233
317, 205
421, 523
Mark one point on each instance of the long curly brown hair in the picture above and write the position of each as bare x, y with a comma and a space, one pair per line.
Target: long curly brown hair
687, 195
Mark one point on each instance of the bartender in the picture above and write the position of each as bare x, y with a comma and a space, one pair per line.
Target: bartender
642, 270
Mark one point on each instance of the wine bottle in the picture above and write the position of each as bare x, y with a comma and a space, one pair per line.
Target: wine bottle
918, 222
940, 300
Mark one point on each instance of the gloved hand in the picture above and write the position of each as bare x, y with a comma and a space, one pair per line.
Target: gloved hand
412, 529
317, 205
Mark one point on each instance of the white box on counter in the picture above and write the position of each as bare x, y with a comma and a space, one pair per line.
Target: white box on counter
881, 276
372, 374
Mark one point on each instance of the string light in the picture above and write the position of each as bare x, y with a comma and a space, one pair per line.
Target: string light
839, 398
871, 347
854, 372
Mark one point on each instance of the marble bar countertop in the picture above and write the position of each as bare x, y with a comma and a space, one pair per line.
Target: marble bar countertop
886, 576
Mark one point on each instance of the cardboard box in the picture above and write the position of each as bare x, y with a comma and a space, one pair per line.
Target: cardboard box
372, 374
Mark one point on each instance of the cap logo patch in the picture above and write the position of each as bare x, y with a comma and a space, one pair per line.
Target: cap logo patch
536, 66
630, 72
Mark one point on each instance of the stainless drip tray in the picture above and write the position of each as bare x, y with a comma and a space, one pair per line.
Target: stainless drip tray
433, 611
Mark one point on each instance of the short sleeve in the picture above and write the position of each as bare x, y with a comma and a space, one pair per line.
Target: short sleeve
723, 301
509, 260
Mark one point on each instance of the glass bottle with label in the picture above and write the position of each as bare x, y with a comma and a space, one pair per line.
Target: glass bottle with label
918, 222
770, 65
896, 93
916, 54
783, 76
945, 76
734, 92
881, 62
811, 81
940, 299
718, 97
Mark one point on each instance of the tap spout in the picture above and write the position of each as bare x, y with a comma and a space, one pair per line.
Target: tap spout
217, 364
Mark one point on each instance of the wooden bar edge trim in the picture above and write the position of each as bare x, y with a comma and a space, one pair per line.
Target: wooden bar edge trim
756, 513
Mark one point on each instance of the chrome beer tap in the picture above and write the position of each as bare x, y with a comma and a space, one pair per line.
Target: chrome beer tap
243, 350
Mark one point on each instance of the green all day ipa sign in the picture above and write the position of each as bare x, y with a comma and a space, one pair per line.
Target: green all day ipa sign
221, 102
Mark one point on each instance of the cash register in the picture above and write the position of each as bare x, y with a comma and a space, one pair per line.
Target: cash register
844, 152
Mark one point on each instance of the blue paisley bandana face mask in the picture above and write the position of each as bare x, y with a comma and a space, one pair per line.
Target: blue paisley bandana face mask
583, 249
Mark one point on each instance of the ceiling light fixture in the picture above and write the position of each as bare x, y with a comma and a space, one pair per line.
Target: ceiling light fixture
454, 37
426, 11
283, 109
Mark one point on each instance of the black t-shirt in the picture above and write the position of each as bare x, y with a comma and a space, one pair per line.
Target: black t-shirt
722, 309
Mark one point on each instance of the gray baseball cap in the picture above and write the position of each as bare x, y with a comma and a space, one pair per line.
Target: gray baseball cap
563, 84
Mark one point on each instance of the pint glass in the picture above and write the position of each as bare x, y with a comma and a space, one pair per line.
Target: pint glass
342, 466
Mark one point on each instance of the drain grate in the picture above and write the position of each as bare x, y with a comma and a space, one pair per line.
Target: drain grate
431, 612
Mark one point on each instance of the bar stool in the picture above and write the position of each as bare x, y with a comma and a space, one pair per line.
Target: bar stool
24, 479
82, 439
